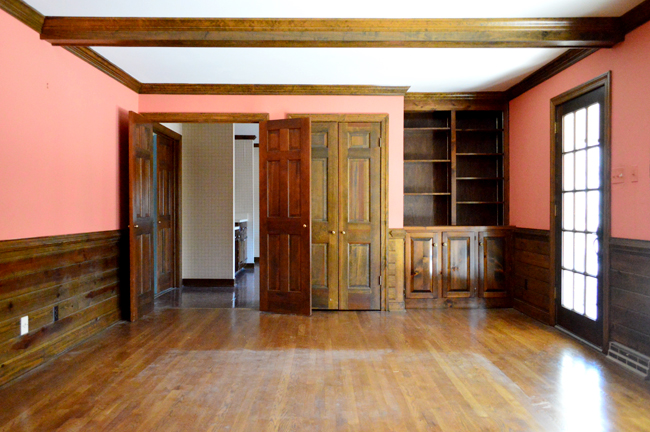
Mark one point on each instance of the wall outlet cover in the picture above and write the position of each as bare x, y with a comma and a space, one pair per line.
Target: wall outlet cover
24, 325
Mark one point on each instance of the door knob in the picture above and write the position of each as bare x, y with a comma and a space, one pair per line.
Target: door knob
343, 232
332, 232
136, 226
304, 225
159, 221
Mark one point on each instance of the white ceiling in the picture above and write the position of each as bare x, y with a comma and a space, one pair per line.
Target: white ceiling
424, 69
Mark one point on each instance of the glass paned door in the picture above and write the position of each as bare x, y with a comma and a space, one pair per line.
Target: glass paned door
579, 163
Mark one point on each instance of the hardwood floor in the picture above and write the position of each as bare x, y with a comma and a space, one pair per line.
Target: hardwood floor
242, 370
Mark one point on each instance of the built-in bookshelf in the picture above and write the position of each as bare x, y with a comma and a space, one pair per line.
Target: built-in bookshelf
454, 168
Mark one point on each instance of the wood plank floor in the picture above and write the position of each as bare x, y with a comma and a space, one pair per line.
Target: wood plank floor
242, 370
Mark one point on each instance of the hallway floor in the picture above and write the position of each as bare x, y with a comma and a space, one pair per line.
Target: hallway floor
243, 370
245, 294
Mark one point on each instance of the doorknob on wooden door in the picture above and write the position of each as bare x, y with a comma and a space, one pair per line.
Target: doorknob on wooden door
332, 232
343, 232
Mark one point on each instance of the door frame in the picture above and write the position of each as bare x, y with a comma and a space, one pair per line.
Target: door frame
603, 80
383, 136
183, 117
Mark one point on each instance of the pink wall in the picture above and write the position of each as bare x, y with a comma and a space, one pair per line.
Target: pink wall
530, 137
279, 106
59, 152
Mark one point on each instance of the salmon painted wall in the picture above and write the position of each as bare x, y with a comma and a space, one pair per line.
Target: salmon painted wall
530, 137
279, 106
61, 124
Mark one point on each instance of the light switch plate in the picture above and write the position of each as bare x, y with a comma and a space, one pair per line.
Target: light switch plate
618, 175
634, 174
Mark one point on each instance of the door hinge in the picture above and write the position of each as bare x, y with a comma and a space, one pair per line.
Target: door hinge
555, 127
556, 210
379, 280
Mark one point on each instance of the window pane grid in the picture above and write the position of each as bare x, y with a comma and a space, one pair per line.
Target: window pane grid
581, 199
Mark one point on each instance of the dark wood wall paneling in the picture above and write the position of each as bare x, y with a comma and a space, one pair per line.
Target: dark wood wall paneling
629, 279
531, 284
79, 273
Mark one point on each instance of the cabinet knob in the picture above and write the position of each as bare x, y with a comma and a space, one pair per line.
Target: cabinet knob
444, 244
304, 225
343, 232
332, 232
136, 226
480, 243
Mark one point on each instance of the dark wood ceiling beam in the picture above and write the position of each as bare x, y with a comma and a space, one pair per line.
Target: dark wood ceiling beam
199, 32
636, 17
271, 89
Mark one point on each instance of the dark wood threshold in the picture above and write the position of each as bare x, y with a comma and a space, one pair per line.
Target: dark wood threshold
208, 283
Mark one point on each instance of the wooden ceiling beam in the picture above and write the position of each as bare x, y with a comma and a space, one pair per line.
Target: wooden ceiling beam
267, 32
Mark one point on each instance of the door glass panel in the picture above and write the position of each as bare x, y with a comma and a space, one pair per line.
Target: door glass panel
567, 219
567, 167
567, 289
591, 301
581, 129
581, 170
580, 211
568, 136
580, 250
567, 250
593, 168
579, 293
592, 254
593, 211
593, 125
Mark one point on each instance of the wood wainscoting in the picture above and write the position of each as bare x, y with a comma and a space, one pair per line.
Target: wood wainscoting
77, 274
532, 289
629, 278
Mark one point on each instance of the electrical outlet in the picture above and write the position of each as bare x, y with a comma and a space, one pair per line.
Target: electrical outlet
24, 325
55, 313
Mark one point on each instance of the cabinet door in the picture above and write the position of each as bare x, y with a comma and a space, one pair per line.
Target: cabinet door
459, 263
423, 265
493, 255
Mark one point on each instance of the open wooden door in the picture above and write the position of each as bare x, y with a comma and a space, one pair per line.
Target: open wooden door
141, 213
285, 216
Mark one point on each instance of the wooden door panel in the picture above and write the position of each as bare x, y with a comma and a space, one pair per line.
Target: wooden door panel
493, 273
166, 205
141, 204
424, 279
324, 211
359, 214
459, 266
285, 225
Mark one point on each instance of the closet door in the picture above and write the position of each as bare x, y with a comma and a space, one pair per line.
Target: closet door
324, 214
359, 216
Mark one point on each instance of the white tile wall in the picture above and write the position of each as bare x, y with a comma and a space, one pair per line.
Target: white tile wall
245, 190
208, 201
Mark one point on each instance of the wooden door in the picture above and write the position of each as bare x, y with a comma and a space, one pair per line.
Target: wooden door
141, 206
324, 214
424, 265
359, 207
459, 252
493, 263
167, 147
285, 219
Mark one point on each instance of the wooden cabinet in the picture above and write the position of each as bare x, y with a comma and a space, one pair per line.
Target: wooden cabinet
455, 168
457, 267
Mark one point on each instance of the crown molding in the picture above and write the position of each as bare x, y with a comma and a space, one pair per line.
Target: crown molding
267, 89
390, 33
454, 101
553, 68
93, 58
24, 13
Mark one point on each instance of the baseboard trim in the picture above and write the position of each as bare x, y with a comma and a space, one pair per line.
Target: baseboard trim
207, 283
